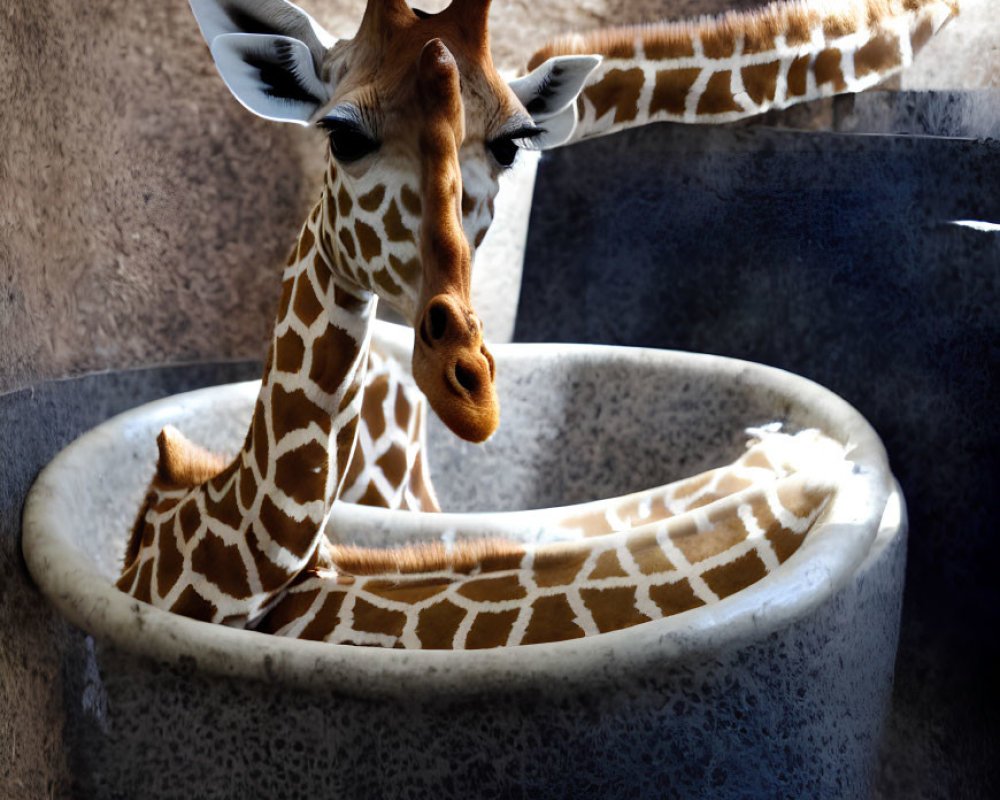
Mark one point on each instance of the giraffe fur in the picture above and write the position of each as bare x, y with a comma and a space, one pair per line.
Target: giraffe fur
743, 63
704, 539
421, 127
416, 151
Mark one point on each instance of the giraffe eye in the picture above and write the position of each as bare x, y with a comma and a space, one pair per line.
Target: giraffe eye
504, 150
348, 145
504, 147
348, 142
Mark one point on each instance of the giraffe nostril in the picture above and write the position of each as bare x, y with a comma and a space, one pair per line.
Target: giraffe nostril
466, 378
489, 362
437, 322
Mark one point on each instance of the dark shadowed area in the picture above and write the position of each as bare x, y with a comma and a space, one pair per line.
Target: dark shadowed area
836, 257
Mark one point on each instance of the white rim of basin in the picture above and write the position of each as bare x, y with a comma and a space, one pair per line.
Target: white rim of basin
824, 563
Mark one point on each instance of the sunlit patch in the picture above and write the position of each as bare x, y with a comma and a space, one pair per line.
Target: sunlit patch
977, 225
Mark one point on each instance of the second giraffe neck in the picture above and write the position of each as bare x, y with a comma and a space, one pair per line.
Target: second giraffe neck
743, 63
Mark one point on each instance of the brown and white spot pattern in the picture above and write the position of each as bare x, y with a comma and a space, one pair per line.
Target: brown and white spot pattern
744, 63
238, 543
388, 468
219, 543
713, 535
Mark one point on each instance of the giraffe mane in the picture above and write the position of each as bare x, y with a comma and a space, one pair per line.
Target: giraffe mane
478, 554
134, 543
760, 24
183, 463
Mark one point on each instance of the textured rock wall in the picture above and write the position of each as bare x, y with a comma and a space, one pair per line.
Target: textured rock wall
143, 218
144, 213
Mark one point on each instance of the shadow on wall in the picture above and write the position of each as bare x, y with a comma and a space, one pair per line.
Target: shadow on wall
143, 212
143, 216
835, 257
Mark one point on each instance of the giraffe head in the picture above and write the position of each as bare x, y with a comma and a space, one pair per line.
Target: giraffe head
420, 127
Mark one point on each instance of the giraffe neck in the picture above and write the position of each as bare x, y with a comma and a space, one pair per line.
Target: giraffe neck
693, 543
388, 467
745, 63
305, 418
223, 548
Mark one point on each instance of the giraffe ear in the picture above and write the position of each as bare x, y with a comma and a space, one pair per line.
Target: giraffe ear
549, 94
272, 76
271, 17
270, 54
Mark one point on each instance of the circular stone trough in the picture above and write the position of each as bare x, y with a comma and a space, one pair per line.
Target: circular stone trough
776, 691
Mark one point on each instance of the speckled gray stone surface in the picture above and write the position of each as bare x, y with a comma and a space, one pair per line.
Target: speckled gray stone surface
35, 642
722, 725
834, 257
778, 690
578, 438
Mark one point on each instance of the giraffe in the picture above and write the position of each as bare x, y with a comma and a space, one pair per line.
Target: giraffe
713, 70
741, 64
416, 94
420, 127
642, 558
388, 469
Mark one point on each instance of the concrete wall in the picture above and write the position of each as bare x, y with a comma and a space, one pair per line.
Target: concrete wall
143, 212
836, 257
143, 218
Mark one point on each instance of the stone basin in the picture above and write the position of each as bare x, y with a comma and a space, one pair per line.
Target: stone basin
777, 690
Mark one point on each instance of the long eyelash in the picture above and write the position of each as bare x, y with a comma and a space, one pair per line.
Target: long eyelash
344, 116
523, 132
329, 125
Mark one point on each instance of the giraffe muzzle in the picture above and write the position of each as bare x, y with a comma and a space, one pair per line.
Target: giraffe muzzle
454, 369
